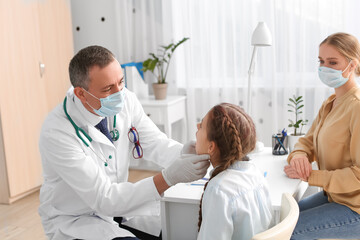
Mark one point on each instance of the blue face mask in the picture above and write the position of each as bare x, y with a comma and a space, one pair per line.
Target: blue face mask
331, 77
111, 105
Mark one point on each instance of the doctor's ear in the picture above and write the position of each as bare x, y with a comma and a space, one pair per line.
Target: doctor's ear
80, 93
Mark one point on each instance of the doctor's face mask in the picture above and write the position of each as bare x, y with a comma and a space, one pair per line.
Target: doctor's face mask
111, 105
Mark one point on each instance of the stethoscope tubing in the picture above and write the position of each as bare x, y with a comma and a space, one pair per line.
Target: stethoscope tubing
78, 130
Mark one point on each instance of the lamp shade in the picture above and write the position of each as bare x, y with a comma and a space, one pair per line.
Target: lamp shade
261, 35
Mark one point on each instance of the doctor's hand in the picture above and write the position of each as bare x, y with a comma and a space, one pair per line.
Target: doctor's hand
302, 166
189, 148
187, 168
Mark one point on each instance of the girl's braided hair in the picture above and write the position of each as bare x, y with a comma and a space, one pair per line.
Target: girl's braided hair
234, 134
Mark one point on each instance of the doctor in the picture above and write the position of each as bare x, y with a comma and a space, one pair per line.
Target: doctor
86, 145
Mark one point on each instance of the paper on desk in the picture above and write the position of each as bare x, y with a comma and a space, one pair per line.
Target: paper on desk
200, 182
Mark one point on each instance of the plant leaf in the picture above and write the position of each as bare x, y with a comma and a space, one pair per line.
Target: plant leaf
147, 65
177, 44
168, 46
152, 64
291, 105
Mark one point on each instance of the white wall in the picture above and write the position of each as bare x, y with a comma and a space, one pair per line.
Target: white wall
352, 18
87, 15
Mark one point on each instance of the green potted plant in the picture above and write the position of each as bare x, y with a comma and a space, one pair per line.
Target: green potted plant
298, 123
161, 62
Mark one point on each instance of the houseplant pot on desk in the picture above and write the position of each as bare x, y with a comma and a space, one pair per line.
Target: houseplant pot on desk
161, 63
295, 107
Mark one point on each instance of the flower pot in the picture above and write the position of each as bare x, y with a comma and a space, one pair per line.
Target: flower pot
293, 139
160, 90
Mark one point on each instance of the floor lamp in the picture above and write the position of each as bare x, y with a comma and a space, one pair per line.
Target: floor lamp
261, 37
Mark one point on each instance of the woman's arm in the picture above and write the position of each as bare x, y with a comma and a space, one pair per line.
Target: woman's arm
305, 145
301, 157
345, 179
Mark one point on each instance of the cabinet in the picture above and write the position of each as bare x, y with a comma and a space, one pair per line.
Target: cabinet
166, 112
32, 33
163, 113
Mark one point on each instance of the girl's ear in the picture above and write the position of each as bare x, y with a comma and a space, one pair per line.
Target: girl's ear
211, 148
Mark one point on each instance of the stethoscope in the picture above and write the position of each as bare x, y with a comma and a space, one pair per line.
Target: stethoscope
114, 133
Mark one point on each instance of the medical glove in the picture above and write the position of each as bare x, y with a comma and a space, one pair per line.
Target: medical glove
187, 168
189, 148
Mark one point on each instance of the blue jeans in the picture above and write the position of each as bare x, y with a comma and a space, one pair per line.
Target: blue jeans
321, 219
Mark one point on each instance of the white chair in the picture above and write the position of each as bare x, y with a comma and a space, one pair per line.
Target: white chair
289, 215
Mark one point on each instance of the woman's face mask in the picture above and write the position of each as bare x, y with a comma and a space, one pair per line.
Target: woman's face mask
333, 78
111, 105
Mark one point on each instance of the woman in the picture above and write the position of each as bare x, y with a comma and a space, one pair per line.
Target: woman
333, 141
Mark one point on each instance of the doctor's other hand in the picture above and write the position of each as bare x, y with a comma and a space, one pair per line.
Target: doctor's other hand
187, 168
189, 148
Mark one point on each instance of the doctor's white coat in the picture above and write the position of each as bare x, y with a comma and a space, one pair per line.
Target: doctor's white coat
80, 196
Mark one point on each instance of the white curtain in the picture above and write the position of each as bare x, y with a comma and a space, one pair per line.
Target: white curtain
212, 66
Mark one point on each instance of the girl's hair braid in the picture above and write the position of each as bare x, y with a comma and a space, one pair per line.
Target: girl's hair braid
233, 132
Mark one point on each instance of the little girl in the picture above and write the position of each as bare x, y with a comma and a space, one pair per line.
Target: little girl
236, 202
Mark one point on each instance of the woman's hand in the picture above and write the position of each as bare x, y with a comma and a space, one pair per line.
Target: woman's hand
291, 173
299, 167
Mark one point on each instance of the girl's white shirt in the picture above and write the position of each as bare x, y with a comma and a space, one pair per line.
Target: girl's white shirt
236, 204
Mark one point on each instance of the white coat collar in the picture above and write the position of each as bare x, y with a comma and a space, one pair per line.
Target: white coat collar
85, 119
78, 112
89, 116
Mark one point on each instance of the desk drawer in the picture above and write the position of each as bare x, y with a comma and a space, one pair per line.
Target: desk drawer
155, 114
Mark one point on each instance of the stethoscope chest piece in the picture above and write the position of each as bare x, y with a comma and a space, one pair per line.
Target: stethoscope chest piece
114, 134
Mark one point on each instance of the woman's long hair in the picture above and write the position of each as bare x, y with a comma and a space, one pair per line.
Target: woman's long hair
234, 134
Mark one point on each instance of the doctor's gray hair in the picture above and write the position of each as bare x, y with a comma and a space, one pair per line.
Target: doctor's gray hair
84, 60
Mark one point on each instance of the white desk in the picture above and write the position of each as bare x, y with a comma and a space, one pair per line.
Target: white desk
166, 112
180, 204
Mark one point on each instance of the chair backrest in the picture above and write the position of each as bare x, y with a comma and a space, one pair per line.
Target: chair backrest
289, 215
